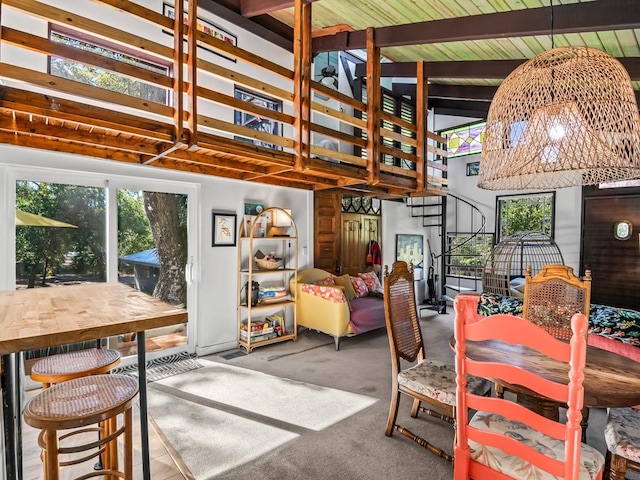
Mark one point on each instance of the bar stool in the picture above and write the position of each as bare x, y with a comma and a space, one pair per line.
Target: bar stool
66, 366
75, 404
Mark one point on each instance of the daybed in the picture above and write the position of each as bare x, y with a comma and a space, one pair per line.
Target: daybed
326, 308
610, 328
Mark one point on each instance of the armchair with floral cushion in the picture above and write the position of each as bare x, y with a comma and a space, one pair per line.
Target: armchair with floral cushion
339, 306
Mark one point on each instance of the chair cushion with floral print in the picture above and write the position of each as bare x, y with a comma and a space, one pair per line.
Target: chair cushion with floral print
591, 460
622, 433
438, 381
621, 324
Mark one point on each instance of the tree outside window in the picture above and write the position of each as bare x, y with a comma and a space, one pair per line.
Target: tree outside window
525, 213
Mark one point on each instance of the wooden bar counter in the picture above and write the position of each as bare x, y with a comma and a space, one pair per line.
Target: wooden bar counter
43, 317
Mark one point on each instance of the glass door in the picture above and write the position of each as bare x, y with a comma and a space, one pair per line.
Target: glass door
153, 258
74, 228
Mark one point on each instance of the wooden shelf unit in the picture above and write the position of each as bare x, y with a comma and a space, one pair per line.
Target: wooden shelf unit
285, 247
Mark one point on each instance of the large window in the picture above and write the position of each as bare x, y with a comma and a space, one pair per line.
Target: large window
525, 213
107, 79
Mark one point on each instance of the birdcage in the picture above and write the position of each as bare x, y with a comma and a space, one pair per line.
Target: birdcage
506, 265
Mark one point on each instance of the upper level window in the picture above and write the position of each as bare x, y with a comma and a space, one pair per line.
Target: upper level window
107, 79
464, 140
254, 121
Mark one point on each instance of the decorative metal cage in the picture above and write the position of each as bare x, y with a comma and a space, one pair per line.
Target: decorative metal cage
509, 260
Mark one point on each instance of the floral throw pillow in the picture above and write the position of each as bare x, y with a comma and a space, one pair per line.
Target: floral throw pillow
359, 286
372, 281
326, 281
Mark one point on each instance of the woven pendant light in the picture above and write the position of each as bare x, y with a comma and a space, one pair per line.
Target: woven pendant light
566, 117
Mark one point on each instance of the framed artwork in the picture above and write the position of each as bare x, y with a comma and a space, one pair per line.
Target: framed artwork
223, 229
409, 248
473, 168
205, 27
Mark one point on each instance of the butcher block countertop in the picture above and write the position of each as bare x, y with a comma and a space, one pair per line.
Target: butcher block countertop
43, 317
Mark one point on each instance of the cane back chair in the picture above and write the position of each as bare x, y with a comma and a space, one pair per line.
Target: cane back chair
427, 382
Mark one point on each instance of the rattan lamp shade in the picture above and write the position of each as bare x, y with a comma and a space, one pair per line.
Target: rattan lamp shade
566, 117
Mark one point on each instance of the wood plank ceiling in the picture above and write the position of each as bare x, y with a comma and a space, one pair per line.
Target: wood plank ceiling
469, 45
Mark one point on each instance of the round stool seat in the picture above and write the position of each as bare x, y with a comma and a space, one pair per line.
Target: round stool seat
81, 401
66, 366
75, 404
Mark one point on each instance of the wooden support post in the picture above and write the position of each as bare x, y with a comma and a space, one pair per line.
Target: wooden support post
421, 127
374, 106
178, 73
302, 85
192, 71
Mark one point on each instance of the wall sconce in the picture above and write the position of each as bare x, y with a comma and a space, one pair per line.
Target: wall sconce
281, 221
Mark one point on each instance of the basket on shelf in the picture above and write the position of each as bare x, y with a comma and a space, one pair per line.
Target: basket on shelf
264, 264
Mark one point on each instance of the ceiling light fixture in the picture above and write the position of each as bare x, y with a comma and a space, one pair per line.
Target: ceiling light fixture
565, 118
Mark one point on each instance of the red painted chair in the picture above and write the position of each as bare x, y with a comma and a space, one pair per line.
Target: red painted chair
503, 439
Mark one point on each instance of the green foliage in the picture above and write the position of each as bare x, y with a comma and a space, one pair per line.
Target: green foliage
134, 233
80, 206
533, 213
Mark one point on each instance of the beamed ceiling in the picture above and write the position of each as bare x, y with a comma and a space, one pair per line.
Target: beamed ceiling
470, 46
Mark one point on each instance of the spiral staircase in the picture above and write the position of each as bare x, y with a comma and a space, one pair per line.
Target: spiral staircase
456, 261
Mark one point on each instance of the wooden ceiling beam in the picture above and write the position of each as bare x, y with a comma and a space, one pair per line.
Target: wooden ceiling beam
264, 27
54, 145
68, 110
484, 69
458, 92
253, 8
572, 18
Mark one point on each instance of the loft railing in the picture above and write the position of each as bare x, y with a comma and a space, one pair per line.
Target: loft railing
198, 130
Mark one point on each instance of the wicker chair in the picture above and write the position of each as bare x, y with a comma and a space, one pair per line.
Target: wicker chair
505, 440
428, 382
550, 300
73, 406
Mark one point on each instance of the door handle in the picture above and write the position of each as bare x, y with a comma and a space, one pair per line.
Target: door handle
188, 271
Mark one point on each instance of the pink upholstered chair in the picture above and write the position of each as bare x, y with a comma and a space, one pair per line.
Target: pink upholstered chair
503, 439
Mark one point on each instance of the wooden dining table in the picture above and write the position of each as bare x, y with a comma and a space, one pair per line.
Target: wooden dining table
44, 317
610, 380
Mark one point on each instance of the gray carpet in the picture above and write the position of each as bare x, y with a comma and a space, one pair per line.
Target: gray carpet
354, 447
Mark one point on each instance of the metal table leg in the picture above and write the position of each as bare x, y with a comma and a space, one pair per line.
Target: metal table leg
11, 411
144, 419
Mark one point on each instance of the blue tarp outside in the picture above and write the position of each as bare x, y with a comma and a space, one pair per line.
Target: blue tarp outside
147, 258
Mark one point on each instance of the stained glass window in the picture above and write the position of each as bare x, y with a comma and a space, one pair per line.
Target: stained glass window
464, 140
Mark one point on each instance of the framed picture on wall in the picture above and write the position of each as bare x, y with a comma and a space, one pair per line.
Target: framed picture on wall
473, 168
223, 229
205, 27
409, 249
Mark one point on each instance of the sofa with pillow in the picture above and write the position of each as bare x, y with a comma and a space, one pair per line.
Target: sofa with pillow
339, 306
610, 328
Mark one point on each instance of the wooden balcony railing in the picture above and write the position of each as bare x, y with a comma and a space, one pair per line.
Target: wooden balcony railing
197, 130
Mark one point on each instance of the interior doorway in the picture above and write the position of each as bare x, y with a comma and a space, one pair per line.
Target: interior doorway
614, 260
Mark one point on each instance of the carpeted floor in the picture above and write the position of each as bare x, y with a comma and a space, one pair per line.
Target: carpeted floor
353, 447
235, 414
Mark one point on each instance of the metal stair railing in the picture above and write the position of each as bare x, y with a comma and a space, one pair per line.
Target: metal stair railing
445, 213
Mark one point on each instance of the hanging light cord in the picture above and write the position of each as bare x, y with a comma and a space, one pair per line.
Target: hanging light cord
552, 42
